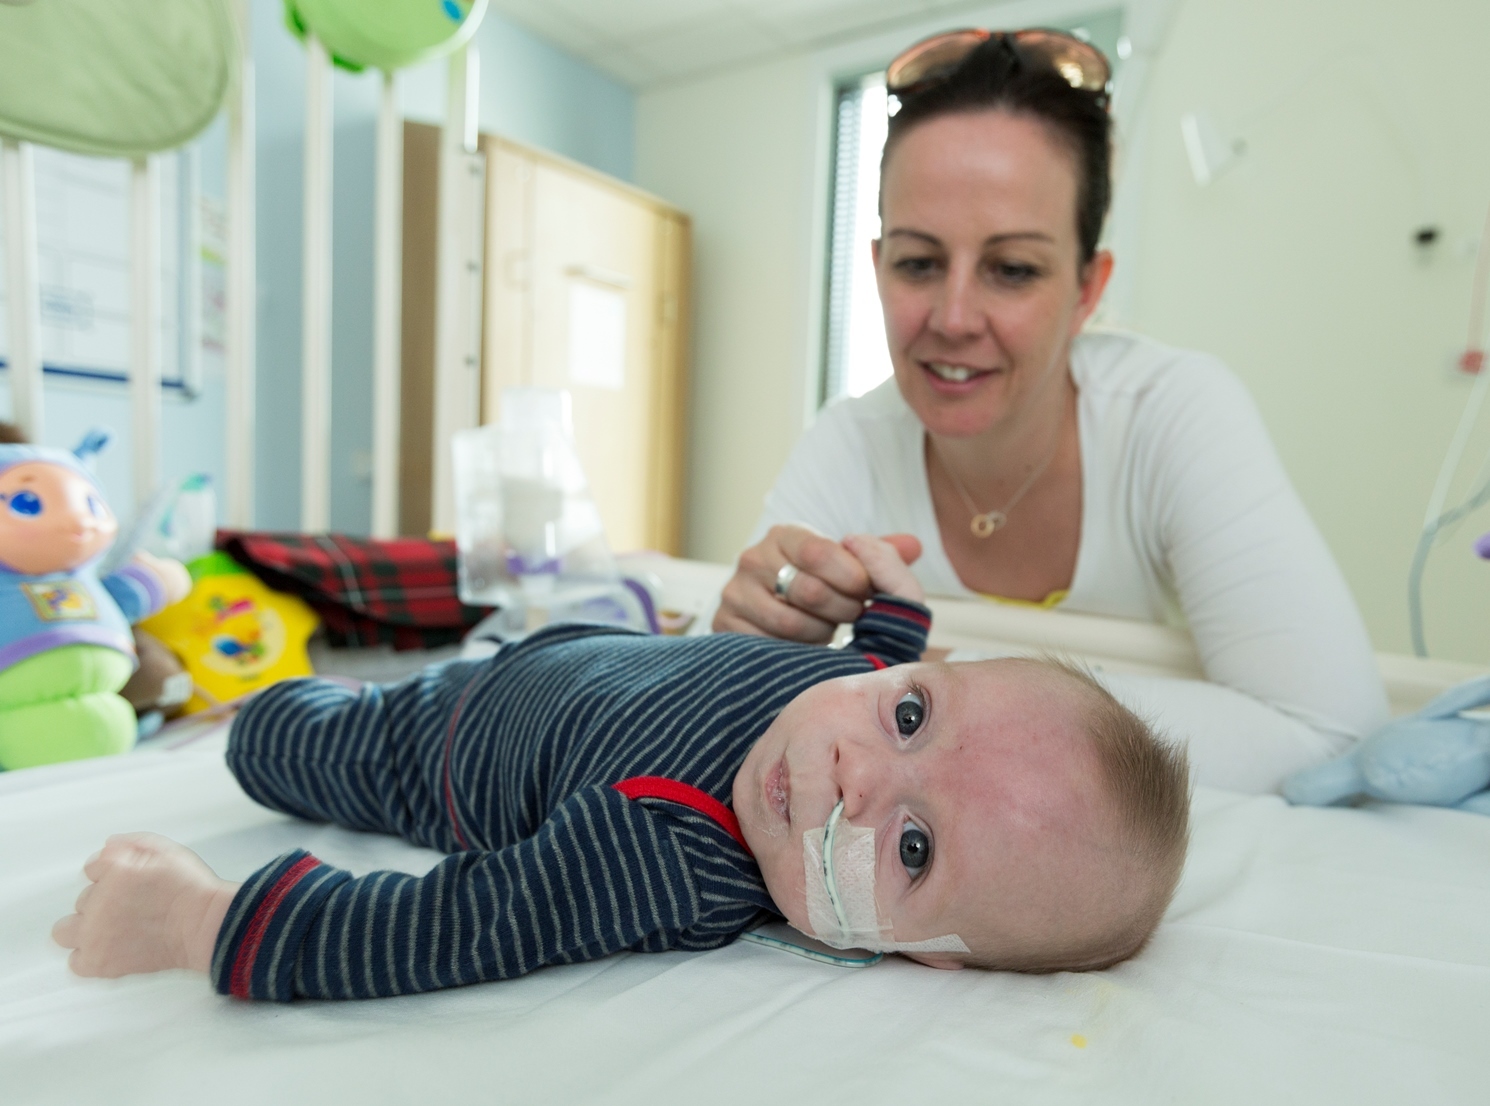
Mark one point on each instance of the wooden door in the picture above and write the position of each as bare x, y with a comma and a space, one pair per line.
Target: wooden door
584, 292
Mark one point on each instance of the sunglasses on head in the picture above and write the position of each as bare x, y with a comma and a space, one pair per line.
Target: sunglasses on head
933, 60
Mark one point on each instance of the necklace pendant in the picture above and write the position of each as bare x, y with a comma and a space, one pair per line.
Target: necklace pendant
985, 524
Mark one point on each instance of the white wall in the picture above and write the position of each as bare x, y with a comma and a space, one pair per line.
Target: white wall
1363, 119
737, 153
1296, 266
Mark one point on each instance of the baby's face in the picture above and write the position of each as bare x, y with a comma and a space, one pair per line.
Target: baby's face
988, 815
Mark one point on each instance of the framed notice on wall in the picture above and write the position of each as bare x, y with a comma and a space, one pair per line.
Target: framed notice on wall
83, 259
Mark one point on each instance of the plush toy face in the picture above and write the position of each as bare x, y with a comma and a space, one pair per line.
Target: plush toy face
51, 519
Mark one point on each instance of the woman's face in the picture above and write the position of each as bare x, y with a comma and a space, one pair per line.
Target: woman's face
979, 270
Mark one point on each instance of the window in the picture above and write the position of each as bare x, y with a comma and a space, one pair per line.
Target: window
855, 359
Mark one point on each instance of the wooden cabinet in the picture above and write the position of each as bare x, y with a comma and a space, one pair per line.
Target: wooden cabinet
584, 289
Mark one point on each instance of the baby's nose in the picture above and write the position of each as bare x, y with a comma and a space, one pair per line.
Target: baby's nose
860, 778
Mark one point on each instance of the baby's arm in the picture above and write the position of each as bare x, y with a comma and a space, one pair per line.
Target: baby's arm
601, 875
893, 627
151, 905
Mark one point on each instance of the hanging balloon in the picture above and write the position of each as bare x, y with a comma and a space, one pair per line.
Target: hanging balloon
113, 78
385, 34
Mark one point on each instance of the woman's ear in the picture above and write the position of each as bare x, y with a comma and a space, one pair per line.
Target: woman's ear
1092, 282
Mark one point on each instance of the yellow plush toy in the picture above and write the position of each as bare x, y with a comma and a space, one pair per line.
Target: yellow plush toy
234, 634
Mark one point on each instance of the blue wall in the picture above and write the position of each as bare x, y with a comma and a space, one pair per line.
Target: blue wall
530, 91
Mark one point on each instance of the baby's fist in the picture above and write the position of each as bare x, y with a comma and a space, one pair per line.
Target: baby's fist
887, 571
151, 905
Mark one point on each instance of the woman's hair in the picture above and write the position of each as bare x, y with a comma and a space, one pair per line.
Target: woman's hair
1000, 76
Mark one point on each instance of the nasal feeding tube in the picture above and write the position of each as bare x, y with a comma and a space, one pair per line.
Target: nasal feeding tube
841, 905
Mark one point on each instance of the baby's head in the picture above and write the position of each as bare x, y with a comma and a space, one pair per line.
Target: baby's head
1015, 805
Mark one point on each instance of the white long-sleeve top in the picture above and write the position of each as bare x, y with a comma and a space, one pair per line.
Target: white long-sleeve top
1188, 518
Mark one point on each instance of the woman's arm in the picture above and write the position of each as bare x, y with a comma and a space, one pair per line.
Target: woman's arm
1292, 674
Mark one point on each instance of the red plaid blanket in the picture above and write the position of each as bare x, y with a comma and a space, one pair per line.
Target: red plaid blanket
367, 592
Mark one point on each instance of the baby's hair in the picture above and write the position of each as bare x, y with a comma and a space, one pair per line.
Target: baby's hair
1148, 783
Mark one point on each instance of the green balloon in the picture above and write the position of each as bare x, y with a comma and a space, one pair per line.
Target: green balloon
385, 34
113, 78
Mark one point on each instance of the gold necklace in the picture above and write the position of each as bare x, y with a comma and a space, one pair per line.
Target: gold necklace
984, 523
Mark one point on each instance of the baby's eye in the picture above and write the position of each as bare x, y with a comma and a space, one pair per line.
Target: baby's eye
25, 504
915, 849
910, 712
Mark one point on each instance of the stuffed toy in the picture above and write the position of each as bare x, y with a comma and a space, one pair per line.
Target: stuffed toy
65, 642
1435, 757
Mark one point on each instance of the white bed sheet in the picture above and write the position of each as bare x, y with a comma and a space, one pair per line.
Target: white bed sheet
1311, 956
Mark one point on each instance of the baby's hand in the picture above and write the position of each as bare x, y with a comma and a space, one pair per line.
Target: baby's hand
152, 905
886, 568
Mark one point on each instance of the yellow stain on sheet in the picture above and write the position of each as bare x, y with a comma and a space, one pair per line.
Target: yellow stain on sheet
1078, 1040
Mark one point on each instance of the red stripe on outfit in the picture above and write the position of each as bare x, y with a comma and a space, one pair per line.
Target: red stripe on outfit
449, 743
685, 794
897, 611
872, 659
248, 951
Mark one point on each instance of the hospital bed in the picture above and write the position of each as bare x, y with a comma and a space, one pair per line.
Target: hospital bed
1312, 956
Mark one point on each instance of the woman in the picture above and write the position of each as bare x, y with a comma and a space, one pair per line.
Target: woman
1023, 459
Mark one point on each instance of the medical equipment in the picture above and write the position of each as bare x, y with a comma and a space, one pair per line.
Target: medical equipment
1438, 522
528, 532
839, 863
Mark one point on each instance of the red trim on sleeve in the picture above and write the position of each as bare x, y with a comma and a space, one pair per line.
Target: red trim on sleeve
248, 951
896, 610
685, 794
878, 664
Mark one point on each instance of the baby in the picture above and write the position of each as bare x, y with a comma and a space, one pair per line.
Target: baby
601, 790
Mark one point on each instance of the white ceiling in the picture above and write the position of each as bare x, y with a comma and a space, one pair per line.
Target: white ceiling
650, 42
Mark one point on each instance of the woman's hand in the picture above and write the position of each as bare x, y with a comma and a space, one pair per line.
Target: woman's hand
151, 905
829, 588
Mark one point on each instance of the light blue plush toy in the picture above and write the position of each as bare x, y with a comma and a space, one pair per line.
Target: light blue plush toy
1435, 757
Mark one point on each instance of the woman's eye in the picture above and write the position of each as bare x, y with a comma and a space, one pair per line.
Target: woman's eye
915, 849
910, 712
915, 266
1011, 273
25, 504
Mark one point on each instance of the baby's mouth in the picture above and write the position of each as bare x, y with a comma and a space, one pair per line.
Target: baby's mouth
778, 789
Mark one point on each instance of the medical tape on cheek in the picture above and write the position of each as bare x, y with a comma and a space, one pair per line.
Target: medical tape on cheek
841, 907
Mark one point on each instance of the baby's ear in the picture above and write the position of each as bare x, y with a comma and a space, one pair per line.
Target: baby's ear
932, 960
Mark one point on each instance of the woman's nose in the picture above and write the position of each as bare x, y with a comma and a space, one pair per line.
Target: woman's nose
955, 314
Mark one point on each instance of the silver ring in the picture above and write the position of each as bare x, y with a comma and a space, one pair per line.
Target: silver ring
784, 577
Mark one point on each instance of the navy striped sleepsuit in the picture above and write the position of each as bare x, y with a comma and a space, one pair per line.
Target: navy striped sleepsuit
511, 764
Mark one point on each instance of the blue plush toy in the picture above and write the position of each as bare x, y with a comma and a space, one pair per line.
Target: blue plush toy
1434, 757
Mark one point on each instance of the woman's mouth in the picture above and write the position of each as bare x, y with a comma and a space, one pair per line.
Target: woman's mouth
778, 790
946, 373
